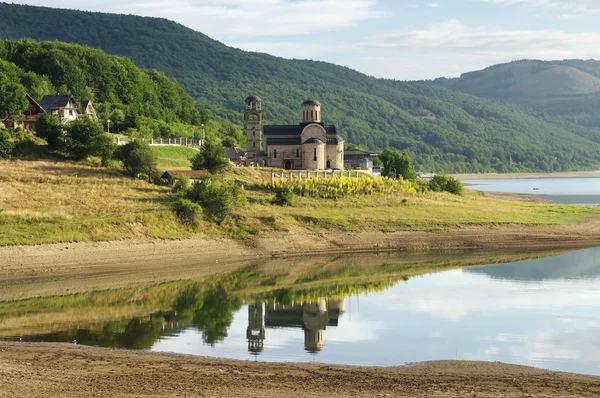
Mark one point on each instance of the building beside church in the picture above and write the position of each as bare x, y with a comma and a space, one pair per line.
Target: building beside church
309, 145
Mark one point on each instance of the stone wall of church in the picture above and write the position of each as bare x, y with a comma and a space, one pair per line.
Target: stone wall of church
335, 156
309, 156
313, 131
285, 152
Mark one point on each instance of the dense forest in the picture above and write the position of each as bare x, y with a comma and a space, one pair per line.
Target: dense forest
118, 88
442, 130
569, 89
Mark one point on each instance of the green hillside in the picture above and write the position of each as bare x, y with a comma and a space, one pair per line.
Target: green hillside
441, 129
569, 89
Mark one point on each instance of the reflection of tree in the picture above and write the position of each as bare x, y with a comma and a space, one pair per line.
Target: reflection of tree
215, 314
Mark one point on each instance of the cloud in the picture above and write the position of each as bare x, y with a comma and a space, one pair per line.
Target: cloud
242, 18
572, 8
454, 39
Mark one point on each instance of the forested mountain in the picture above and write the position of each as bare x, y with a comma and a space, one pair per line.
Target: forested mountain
118, 88
441, 129
569, 89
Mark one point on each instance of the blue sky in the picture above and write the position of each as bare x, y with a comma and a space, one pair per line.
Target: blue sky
399, 39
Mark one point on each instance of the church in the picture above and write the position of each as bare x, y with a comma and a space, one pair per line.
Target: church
309, 145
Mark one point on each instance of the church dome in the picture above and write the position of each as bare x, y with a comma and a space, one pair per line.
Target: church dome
252, 98
311, 102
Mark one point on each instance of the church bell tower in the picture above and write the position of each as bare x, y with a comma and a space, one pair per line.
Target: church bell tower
253, 118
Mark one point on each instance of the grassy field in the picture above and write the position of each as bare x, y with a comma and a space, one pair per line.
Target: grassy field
174, 157
49, 202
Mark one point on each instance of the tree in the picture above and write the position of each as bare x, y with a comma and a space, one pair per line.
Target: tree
117, 117
396, 164
211, 157
13, 101
85, 137
137, 157
49, 128
6, 144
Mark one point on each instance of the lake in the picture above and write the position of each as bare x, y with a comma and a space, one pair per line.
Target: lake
539, 312
582, 191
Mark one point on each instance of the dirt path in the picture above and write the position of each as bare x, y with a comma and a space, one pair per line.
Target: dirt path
32, 271
53, 370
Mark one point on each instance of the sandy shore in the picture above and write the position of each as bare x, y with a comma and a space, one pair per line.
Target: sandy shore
53, 370
496, 176
34, 271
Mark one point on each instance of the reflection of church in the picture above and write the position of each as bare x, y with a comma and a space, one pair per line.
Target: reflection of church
312, 317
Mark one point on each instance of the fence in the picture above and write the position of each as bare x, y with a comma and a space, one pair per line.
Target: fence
299, 175
188, 142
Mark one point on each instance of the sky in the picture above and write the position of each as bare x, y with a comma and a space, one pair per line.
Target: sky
398, 39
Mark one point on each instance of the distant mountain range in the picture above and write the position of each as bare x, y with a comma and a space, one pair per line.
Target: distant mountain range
442, 129
569, 89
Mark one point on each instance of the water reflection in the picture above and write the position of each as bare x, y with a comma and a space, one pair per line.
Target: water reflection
543, 312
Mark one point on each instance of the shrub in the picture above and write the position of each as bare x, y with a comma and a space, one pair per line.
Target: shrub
49, 128
284, 196
6, 144
445, 183
181, 184
137, 157
85, 137
217, 198
188, 212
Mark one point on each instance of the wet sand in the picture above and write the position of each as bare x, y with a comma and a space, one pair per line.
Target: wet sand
58, 370
36, 271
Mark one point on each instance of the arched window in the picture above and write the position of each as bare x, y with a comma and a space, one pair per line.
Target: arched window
275, 153
311, 115
315, 154
297, 153
317, 115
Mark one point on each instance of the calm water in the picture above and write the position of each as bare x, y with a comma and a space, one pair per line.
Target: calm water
543, 313
559, 190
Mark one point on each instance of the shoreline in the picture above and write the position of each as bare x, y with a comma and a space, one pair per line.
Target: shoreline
496, 176
38, 271
56, 370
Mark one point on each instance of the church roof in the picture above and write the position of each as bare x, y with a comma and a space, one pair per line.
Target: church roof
314, 141
253, 98
311, 102
294, 129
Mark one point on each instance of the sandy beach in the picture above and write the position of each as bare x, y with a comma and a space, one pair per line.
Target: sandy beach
58, 370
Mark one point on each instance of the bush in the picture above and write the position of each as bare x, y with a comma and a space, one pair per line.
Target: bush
217, 198
7, 145
181, 184
445, 183
189, 212
137, 157
85, 137
49, 128
284, 196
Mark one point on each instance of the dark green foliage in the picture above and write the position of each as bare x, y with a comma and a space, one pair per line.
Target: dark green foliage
441, 130
121, 92
189, 212
6, 144
50, 129
211, 157
217, 198
137, 157
12, 97
215, 315
86, 138
396, 164
284, 196
445, 183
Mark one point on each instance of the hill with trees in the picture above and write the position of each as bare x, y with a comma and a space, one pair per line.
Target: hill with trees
442, 130
568, 89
